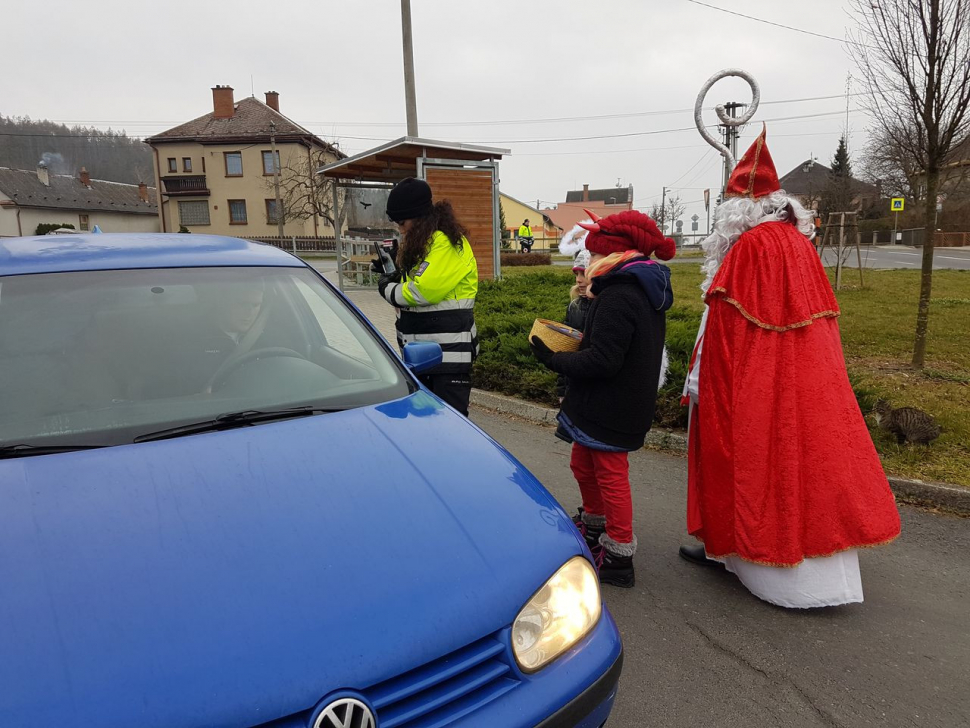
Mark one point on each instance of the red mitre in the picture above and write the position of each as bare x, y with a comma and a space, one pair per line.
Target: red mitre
755, 175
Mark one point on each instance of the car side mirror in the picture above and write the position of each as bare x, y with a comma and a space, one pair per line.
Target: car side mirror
421, 356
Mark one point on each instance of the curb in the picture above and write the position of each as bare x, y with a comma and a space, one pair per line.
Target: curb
540, 415
952, 498
940, 495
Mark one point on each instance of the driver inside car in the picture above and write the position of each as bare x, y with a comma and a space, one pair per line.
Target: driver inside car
233, 324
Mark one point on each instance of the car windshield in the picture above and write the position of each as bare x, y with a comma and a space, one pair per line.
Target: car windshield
104, 357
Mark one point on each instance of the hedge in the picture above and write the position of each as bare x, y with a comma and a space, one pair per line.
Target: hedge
516, 259
45, 227
504, 313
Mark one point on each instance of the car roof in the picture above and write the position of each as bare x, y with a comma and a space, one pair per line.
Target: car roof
116, 251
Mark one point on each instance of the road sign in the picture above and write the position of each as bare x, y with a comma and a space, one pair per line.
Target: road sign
897, 204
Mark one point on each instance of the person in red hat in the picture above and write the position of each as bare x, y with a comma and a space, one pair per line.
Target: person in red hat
609, 403
784, 483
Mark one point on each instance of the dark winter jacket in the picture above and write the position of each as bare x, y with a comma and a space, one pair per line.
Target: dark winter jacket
613, 376
576, 317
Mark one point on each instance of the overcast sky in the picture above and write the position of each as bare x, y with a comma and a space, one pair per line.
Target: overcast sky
338, 67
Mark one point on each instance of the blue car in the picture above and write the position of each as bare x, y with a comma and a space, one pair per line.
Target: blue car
225, 501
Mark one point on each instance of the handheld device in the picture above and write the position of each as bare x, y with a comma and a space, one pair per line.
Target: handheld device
385, 259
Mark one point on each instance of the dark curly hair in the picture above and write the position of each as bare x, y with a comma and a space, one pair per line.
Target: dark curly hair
417, 240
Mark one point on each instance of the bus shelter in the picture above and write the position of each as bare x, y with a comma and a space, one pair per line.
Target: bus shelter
464, 174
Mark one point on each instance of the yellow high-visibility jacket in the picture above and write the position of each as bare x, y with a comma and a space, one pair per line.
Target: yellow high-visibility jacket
437, 300
525, 231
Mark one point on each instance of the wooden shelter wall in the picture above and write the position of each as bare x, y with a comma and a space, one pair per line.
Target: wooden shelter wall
470, 193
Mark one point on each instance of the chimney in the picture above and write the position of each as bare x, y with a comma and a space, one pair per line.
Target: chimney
85, 177
143, 191
585, 193
273, 100
222, 102
43, 174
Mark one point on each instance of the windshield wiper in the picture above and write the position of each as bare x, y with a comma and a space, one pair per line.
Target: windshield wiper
231, 420
24, 450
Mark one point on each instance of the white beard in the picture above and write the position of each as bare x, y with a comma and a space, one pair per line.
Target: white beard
736, 215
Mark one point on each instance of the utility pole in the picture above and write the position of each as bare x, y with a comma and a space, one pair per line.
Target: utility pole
412, 107
730, 137
663, 210
276, 178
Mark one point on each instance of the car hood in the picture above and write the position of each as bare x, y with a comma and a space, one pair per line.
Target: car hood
233, 578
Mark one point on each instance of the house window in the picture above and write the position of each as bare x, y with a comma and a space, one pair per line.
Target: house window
85, 222
173, 164
193, 212
233, 164
186, 164
237, 212
271, 218
268, 163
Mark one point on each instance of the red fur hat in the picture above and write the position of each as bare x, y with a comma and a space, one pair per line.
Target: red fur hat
628, 230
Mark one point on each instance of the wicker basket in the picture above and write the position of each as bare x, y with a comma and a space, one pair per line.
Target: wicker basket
551, 334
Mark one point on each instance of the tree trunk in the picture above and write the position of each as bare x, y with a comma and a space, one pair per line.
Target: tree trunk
926, 277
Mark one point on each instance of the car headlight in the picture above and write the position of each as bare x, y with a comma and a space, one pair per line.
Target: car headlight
560, 614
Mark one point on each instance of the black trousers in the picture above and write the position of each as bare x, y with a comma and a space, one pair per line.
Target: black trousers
455, 389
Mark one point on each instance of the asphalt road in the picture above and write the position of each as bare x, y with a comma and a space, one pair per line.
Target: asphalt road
903, 257
877, 258
702, 651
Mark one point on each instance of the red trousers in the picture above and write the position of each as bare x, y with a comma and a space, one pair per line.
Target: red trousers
604, 481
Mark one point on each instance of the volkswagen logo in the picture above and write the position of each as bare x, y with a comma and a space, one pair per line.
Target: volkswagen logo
346, 713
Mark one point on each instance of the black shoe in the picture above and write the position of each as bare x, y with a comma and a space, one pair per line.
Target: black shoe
615, 570
590, 533
697, 555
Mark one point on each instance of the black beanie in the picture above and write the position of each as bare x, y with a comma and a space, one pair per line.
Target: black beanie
409, 199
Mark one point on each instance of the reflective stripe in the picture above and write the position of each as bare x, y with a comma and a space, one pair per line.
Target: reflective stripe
458, 337
464, 337
456, 357
395, 295
415, 293
450, 305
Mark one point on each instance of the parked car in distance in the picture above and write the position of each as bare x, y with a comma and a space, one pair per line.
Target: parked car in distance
226, 501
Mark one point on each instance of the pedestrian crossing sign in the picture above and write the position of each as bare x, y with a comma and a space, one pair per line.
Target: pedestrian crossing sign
897, 204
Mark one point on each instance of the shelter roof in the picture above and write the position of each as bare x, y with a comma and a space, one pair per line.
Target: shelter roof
397, 160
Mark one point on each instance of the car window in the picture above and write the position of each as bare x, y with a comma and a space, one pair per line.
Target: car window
102, 357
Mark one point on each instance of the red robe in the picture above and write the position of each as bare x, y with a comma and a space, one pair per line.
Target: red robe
781, 465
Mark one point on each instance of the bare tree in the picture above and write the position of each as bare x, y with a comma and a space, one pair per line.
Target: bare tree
669, 214
914, 57
887, 164
303, 195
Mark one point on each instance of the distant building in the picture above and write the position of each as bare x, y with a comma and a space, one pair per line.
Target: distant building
601, 202
215, 172
618, 197
808, 181
544, 231
29, 198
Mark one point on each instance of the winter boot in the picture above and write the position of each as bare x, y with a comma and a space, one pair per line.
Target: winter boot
615, 562
591, 527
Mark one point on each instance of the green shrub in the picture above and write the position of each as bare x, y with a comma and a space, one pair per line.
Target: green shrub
514, 259
45, 227
504, 313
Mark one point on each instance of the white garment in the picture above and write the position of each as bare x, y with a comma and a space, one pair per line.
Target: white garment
692, 385
821, 582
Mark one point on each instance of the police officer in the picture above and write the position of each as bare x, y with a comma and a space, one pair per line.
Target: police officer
434, 287
526, 241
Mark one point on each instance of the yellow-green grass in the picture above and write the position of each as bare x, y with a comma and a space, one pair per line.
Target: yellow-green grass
878, 324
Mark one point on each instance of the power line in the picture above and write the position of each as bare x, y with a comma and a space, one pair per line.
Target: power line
770, 22
702, 158
494, 122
